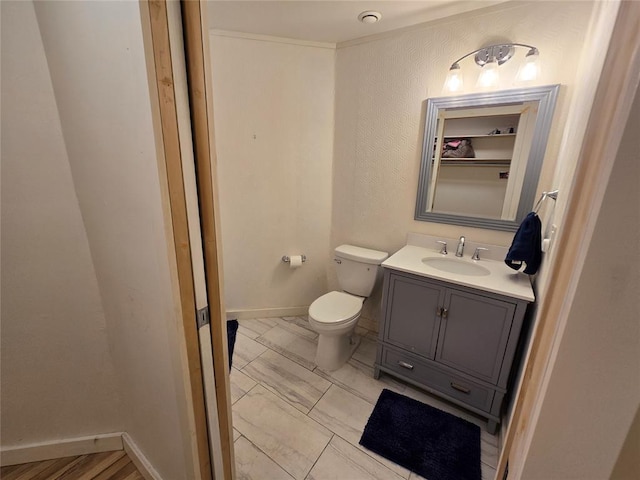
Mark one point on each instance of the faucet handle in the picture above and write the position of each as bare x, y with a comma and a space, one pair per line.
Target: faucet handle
443, 250
476, 254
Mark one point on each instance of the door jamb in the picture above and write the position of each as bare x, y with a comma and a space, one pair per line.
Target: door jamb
200, 97
614, 96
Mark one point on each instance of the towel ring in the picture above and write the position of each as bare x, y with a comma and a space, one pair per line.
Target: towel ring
552, 195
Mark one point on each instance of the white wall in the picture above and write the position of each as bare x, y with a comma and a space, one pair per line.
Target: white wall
274, 140
96, 61
594, 388
58, 376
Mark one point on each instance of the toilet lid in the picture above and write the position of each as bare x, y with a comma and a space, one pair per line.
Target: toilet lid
335, 307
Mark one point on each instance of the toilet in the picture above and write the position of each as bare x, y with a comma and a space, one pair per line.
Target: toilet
334, 315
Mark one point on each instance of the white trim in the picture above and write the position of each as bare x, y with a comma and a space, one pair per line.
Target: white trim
267, 312
139, 460
269, 38
69, 447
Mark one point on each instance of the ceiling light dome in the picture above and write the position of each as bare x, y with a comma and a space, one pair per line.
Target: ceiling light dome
369, 16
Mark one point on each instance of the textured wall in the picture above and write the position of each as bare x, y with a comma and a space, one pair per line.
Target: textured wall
58, 377
381, 88
274, 139
594, 388
96, 59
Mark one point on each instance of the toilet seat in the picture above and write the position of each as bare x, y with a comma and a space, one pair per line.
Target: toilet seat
335, 308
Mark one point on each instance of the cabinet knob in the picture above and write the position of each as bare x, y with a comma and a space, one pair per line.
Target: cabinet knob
439, 311
445, 313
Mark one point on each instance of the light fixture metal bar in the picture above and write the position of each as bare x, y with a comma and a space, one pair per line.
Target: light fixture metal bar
499, 51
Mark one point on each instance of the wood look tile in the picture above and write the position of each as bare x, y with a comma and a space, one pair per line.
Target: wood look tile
114, 465
341, 460
346, 415
299, 326
95, 464
117, 470
286, 435
366, 351
134, 476
29, 470
488, 473
240, 384
300, 349
358, 379
246, 350
55, 470
488, 452
254, 327
287, 379
252, 464
343, 413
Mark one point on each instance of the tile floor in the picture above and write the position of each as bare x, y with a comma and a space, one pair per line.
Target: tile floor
293, 420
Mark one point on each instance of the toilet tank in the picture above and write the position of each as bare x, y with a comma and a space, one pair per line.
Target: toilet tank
358, 268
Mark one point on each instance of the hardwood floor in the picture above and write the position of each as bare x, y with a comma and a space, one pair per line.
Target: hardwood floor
98, 466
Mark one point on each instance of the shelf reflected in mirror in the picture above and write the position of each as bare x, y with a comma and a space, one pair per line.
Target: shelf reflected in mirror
482, 156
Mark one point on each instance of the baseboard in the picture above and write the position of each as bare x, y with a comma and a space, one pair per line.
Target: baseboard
38, 452
267, 312
139, 460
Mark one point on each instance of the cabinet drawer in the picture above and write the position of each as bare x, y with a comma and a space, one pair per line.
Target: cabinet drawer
453, 386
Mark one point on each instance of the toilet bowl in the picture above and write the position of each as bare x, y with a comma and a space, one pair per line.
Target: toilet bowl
334, 315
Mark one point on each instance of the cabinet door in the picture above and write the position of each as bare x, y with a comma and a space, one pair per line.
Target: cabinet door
411, 316
474, 333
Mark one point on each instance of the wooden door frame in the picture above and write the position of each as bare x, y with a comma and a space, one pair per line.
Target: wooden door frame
162, 80
196, 41
610, 111
609, 114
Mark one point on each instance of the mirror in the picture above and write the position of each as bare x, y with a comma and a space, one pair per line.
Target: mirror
482, 155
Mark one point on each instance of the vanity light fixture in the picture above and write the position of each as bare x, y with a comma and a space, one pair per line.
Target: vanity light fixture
489, 59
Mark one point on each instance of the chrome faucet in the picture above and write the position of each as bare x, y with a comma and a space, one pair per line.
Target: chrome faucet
460, 248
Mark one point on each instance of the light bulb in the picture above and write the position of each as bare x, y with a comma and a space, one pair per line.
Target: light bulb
489, 76
453, 82
530, 68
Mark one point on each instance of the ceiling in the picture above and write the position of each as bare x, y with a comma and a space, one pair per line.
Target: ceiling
329, 21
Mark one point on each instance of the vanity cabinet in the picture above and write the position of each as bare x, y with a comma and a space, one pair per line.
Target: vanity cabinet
454, 341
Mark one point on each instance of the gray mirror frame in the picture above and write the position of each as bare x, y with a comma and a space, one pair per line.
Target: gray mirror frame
546, 97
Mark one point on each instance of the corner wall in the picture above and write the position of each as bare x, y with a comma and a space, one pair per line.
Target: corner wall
97, 64
58, 375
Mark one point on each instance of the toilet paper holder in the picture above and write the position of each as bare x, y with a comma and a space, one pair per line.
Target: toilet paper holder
286, 259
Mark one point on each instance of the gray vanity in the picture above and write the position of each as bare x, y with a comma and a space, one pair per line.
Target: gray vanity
454, 329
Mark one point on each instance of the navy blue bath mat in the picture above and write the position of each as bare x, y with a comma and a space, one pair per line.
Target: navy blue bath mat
427, 441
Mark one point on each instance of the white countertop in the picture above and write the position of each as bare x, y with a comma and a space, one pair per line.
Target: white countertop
501, 280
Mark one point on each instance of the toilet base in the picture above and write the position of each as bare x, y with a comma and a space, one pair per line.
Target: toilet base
334, 351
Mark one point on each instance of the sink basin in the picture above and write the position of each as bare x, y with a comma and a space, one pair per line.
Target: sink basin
453, 265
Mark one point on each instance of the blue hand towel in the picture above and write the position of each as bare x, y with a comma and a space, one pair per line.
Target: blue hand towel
527, 245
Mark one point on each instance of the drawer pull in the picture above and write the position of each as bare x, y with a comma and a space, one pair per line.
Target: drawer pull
406, 365
460, 388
